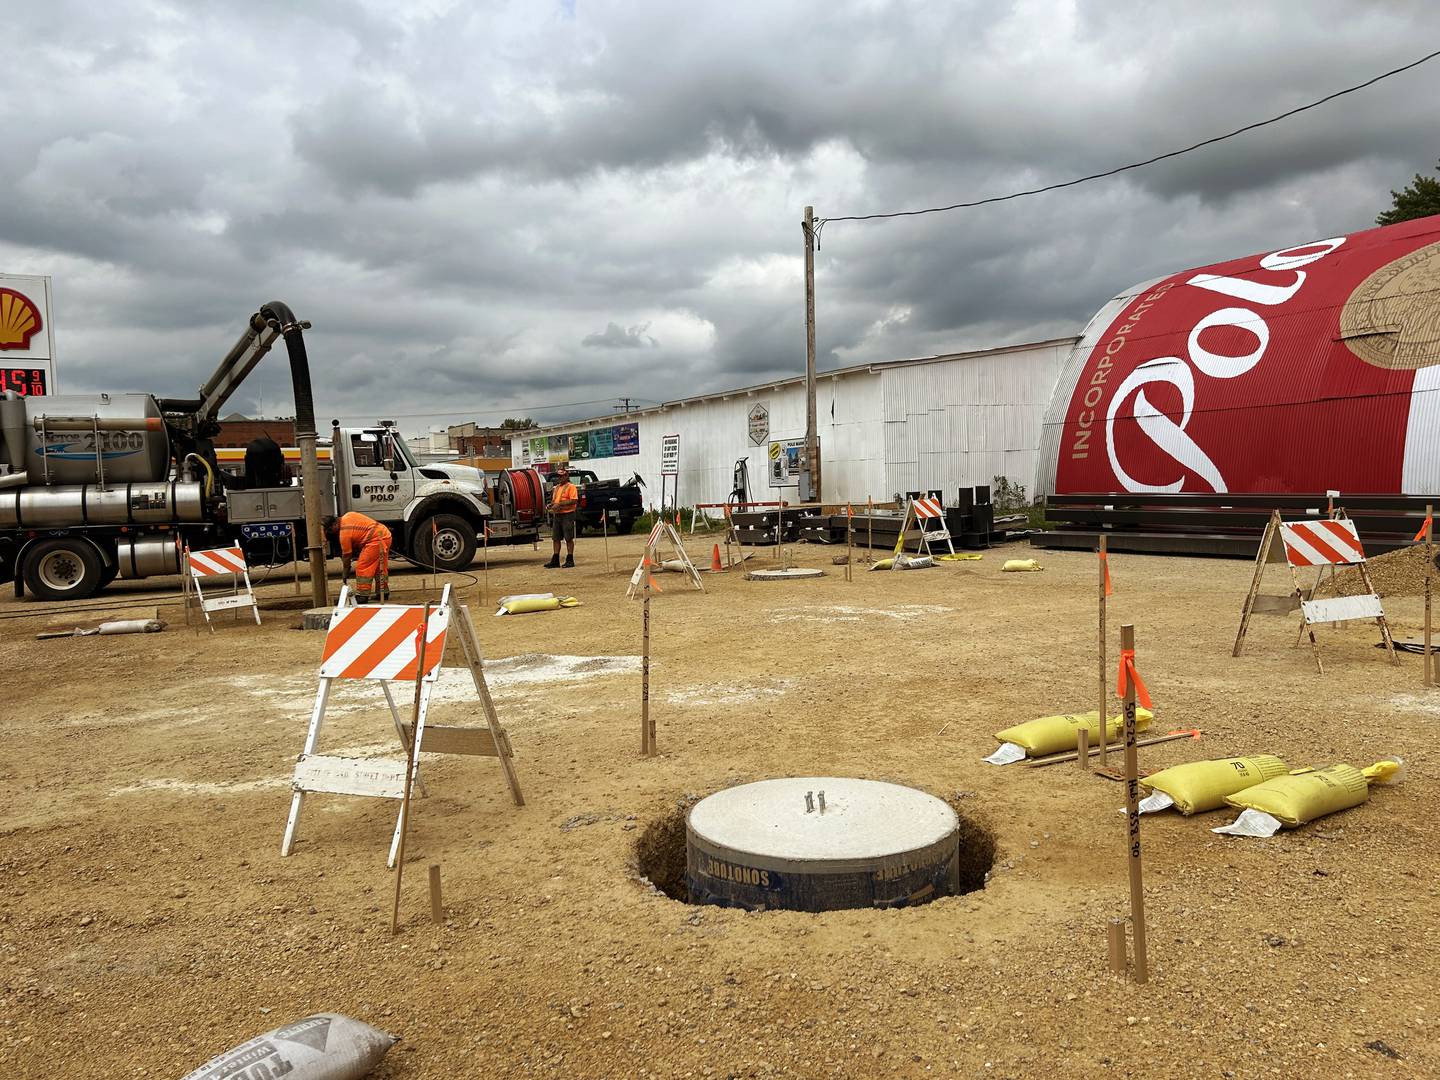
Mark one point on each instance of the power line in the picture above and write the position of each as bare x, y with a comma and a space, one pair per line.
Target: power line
820, 224
462, 410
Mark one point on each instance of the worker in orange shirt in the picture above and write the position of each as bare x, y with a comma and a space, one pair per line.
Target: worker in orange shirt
564, 510
356, 532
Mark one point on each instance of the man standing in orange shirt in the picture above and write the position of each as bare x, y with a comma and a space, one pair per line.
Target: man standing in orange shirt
356, 532
564, 510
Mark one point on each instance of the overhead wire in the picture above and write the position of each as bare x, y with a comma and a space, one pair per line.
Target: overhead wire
820, 223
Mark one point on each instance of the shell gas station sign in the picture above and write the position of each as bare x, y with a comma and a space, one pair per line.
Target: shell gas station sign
27, 336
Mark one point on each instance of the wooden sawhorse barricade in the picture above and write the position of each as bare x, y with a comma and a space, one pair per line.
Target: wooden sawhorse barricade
217, 563
663, 530
1327, 542
381, 644
925, 509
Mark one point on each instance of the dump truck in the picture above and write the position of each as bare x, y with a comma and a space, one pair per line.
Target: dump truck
99, 486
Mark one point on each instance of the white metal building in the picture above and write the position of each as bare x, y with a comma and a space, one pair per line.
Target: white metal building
941, 422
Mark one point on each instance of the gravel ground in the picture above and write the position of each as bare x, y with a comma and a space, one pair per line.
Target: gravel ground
147, 921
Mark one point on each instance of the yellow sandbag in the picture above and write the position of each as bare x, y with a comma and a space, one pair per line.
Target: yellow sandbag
1023, 566
1052, 734
960, 556
522, 605
1307, 794
1197, 786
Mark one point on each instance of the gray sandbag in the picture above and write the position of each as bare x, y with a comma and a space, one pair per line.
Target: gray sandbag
326, 1046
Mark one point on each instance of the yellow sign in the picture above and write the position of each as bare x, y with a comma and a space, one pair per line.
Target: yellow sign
774, 451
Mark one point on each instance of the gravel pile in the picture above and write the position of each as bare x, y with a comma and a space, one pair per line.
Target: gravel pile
1398, 573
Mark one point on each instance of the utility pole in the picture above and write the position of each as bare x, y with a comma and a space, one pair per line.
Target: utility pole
812, 445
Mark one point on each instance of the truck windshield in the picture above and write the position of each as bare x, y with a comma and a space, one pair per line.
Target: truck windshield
404, 449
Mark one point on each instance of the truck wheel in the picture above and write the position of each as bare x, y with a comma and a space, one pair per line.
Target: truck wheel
623, 526
446, 542
65, 568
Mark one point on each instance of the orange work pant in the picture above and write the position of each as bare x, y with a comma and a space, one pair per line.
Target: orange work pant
372, 567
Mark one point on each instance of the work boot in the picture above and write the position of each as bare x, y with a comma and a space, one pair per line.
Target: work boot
554, 563
361, 600
570, 562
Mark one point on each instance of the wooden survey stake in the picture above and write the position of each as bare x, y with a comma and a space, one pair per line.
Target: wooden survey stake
869, 528
1129, 685
437, 909
1429, 573
411, 761
1104, 674
647, 729
850, 542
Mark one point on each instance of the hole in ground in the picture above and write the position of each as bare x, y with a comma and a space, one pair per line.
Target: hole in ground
660, 851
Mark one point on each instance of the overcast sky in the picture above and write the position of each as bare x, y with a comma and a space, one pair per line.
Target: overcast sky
488, 209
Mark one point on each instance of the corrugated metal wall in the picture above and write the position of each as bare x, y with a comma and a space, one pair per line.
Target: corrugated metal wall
943, 424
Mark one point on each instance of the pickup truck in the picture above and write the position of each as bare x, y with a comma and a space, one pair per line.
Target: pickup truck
622, 502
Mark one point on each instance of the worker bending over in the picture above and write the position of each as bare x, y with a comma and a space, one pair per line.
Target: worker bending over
356, 532
564, 509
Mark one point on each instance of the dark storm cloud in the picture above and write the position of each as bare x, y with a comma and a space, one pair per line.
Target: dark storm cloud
458, 197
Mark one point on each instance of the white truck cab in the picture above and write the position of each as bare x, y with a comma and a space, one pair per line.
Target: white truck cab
435, 512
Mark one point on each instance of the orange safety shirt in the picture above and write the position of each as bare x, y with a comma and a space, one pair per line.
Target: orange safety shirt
357, 530
566, 492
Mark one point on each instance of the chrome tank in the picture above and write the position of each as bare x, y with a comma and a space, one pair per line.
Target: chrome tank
147, 557
68, 456
123, 504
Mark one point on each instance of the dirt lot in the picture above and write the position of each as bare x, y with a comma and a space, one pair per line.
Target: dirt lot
147, 921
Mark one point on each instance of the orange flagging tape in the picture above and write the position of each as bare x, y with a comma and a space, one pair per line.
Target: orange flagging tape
1127, 672
1105, 565
1423, 530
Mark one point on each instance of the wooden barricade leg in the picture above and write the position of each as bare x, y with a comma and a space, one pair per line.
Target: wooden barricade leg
200, 596
1380, 619
1306, 625
412, 757
470, 644
317, 717
254, 603
1271, 533
403, 732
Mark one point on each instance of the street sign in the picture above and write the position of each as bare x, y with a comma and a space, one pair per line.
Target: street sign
759, 424
670, 455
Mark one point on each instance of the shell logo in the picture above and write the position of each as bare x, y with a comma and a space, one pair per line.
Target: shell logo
19, 320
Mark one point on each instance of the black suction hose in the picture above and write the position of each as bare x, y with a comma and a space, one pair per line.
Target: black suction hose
305, 436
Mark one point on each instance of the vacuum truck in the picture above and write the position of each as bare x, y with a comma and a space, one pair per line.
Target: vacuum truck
99, 486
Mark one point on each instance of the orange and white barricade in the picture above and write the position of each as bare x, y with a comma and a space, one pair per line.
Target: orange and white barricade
1326, 542
381, 643
679, 560
927, 509
216, 563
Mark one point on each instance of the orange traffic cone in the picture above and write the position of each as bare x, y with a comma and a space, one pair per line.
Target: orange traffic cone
715, 564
